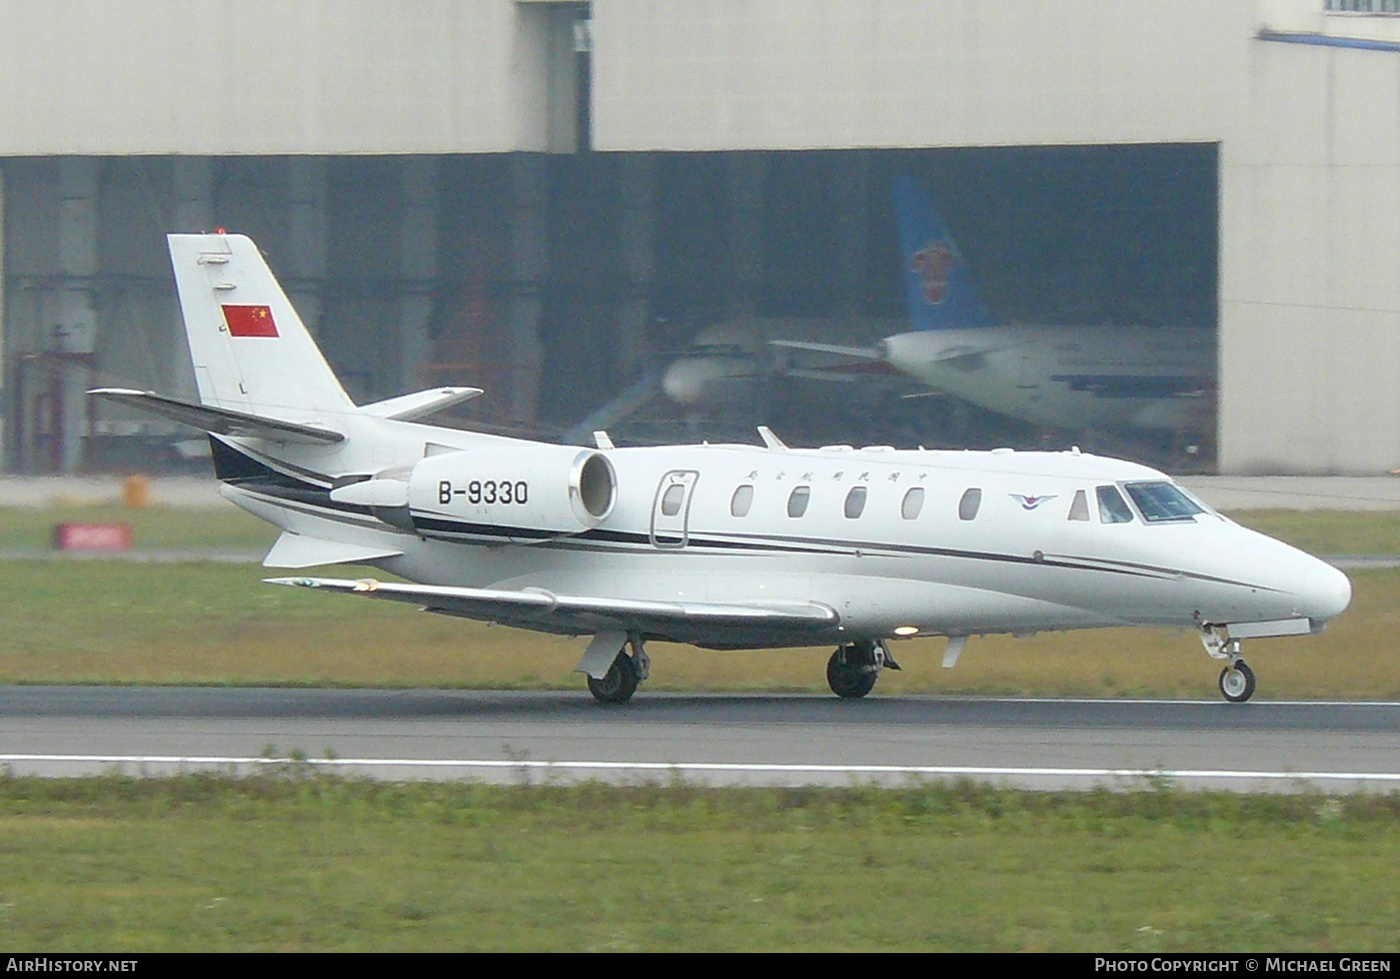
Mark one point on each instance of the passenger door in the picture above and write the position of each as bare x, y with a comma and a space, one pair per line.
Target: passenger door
670, 511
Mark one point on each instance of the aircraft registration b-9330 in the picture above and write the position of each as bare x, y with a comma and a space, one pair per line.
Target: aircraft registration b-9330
720, 546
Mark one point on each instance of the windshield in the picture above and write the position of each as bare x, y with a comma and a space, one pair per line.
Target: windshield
1162, 502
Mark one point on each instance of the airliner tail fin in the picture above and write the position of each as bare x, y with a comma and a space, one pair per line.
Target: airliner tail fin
938, 284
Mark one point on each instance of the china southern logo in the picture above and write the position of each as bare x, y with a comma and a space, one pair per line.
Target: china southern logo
1031, 502
931, 264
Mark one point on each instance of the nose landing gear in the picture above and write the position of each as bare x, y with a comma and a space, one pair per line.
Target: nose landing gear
1236, 679
1237, 682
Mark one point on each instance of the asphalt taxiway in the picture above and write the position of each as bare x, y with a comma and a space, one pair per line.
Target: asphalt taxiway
704, 739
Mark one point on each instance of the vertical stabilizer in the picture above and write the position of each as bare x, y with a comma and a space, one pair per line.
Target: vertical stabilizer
937, 282
251, 351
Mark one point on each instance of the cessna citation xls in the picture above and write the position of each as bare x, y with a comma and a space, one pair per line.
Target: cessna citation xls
723, 546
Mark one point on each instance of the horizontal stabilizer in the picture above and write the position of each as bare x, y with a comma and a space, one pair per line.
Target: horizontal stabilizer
300, 551
407, 407
220, 421
579, 613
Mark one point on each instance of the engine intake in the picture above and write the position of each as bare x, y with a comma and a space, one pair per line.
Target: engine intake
516, 493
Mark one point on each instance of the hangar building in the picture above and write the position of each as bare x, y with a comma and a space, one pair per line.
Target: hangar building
537, 196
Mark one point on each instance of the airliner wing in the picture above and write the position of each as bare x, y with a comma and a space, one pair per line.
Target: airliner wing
863, 353
859, 362
540, 609
220, 421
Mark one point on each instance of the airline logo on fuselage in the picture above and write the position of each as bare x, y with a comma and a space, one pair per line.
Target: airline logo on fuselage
931, 264
1031, 502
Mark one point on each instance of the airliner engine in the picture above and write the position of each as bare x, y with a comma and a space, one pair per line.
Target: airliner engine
519, 493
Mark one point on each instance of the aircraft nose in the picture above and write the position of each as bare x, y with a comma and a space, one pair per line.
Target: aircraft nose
684, 381
1327, 592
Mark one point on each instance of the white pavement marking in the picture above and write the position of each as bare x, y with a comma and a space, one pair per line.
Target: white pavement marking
184, 762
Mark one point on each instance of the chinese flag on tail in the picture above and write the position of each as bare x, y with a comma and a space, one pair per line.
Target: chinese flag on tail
249, 321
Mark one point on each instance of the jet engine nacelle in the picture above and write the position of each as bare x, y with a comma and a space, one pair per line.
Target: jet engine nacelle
532, 492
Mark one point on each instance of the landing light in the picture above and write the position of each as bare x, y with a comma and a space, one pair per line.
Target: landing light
907, 630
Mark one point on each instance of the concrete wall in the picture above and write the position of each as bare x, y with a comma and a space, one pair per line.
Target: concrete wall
1309, 136
1310, 289
109, 77
751, 74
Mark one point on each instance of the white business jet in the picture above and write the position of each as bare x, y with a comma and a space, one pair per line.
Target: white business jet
722, 546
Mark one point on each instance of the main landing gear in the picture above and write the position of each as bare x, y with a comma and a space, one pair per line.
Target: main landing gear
853, 669
619, 683
1236, 679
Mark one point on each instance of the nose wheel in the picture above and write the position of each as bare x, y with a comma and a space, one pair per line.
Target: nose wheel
1236, 679
1237, 682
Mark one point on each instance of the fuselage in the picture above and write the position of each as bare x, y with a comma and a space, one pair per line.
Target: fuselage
897, 543
1075, 377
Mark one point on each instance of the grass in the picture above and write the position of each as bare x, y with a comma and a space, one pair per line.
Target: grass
119, 622
293, 861
75, 621
325, 864
153, 527
1329, 531
228, 528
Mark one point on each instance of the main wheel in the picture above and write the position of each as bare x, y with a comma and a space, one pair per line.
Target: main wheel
847, 678
620, 683
1237, 682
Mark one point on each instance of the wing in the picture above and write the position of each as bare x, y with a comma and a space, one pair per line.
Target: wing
699, 623
861, 353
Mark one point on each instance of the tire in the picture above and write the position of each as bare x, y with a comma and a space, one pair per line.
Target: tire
848, 680
1237, 682
620, 683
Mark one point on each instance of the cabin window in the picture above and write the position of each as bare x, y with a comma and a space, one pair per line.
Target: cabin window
672, 499
1162, 502
797, 502
855, 502
1079, 509
741, 501
913, 502
970, 503
1112, 507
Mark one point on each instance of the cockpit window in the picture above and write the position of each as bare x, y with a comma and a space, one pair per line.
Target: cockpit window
1112, 507
1161, 502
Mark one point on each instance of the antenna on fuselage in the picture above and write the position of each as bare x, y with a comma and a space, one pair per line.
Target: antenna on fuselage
771, 440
